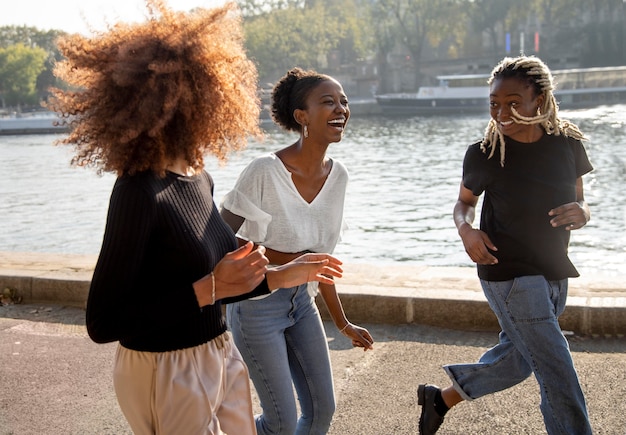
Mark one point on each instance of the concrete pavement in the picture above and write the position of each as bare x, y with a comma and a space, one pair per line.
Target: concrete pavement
54, 380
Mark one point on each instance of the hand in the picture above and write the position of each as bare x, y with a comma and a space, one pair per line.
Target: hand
305, 268
360, 336
572, 215
240, 271
477, 245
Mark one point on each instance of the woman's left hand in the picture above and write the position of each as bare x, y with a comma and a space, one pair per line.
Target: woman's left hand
360, 336
305, 268
325, 271
572, 215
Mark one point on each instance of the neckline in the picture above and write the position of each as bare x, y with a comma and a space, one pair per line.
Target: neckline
289, 176
180, 176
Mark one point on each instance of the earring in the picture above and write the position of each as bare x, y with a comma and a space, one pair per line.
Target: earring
306, 131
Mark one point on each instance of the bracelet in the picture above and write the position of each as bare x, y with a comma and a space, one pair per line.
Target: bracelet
212, 288
344, 328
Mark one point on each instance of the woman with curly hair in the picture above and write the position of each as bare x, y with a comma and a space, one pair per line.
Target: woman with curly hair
533, 200
148, 101
291, 202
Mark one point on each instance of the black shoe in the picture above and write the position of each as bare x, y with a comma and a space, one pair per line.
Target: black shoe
430, 420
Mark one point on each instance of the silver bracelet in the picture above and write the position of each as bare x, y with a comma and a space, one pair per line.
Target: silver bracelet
344, 328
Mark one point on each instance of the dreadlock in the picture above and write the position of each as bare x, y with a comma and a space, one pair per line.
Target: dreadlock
533, 71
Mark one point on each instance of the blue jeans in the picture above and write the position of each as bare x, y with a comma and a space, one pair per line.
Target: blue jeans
279, 336
531, 341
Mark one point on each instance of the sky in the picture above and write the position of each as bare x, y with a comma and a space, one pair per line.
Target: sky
79, 16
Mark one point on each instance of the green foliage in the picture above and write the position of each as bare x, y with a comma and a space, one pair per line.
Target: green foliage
487, 15
321, 35
415, 26
30, 37
22, 47
19, 67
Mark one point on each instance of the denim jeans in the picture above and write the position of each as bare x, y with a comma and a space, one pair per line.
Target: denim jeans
531, 341
282, 340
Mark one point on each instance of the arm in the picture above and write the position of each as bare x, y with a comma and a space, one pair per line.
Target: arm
120, 303
360, 336
573, 215
244, 269
238, 273
477, 244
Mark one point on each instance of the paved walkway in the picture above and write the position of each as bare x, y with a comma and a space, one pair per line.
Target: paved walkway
55, 380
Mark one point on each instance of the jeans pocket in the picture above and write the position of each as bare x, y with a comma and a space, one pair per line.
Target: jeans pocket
529, 299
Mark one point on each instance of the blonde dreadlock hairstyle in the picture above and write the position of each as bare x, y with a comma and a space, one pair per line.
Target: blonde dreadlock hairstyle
535, 73
177, 85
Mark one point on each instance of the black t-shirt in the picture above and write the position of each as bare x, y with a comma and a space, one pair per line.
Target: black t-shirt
536, 178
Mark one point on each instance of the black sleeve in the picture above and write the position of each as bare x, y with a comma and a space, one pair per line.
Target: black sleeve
473, 169
119, 305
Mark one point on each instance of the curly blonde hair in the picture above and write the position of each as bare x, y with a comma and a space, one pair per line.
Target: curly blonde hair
176, 85
532, 70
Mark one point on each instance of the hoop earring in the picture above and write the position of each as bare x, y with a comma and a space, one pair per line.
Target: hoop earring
306, 131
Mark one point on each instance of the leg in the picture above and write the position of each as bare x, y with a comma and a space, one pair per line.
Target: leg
499, 368
528, 309
258, 330
133, 380
531, 341
529, 314
467, 384
309, 361
234, 415
202, 390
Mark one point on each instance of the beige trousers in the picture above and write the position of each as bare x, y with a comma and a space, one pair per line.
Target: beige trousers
200, 390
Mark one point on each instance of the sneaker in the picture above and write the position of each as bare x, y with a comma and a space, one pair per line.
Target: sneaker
430, 420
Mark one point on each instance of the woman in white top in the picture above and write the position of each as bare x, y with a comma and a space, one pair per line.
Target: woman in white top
291, 202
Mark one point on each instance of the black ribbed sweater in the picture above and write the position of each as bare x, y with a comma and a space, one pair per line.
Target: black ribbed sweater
161, 235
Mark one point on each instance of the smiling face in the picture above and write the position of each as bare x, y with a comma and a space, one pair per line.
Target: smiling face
327, 112
513, 93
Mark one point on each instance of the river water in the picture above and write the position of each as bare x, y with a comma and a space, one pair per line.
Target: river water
404, 179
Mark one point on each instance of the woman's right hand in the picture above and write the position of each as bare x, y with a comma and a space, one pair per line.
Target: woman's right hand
239, 272
478, 245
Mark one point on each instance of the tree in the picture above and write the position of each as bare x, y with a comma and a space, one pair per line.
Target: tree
281, 35
487, 15
385, 34
32, 37
603, 34
422, 24
19, 68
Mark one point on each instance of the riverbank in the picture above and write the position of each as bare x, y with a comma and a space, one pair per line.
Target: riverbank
448, 297
32, 123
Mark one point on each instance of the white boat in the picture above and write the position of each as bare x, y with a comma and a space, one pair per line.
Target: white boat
467, 93
32, 123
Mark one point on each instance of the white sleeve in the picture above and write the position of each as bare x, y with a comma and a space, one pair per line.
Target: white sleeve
256, 220
243, 201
